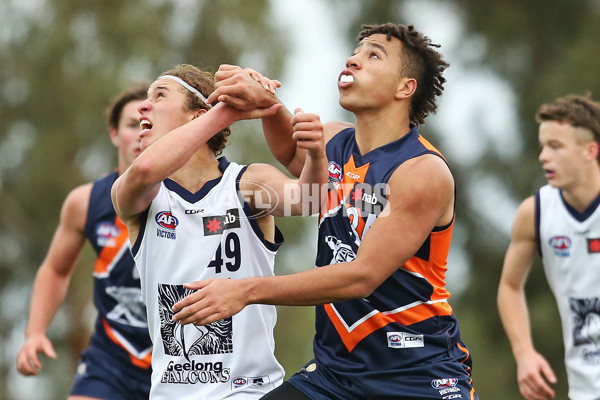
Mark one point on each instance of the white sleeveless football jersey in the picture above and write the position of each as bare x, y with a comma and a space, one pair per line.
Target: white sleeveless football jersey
193, 236
570, 247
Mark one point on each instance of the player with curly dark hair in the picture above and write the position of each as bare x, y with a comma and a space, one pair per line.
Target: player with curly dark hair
384, 325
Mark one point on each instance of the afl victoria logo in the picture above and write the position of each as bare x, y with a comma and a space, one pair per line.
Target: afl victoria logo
395, 338
444, 383
237, 382
107, 230
166, 220
335, 172
560, 242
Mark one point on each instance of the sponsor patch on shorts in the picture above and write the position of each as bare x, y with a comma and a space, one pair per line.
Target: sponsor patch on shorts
404, 340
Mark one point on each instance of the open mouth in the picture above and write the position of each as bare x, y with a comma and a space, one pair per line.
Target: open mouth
145, 124
346, 78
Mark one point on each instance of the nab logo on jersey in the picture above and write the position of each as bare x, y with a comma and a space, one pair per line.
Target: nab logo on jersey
216, 224
593, 245
335, 172
166, 220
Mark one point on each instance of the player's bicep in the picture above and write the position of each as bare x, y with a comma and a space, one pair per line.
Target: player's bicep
69, 236
523, 245
130, 200
414, 207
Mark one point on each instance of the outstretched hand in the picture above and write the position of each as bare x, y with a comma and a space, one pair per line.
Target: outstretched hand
213, 299
244, 89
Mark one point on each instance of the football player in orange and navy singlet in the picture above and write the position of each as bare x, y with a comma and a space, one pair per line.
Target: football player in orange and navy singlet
384, 327
116, 365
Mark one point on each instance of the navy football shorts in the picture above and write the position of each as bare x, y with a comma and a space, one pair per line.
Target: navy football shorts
104, 378
447, 377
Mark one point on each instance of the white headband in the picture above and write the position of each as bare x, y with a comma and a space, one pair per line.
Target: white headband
187, 86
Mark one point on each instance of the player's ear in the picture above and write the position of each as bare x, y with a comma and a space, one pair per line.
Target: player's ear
406, 88
199, 113
594, 149
114, 136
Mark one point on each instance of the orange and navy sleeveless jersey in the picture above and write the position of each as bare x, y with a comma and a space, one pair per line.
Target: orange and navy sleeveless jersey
121, 330
407, 320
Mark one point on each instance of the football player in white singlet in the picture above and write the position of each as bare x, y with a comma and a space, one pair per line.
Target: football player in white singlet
561, 222
194, 216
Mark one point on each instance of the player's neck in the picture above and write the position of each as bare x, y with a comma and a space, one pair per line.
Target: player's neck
201, 168
581, 195
376, 129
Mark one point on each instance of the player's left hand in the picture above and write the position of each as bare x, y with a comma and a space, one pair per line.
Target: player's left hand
308, 132
214, 299
245, 89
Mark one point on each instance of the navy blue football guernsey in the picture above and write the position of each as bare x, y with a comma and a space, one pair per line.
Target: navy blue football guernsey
121, 330
407, 320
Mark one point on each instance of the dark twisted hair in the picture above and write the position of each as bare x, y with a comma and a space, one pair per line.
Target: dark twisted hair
420, 61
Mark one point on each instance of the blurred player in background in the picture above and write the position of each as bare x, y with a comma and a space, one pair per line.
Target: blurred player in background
561, 221
116, 365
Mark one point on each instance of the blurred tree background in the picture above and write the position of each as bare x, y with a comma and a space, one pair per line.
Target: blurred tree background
62, 60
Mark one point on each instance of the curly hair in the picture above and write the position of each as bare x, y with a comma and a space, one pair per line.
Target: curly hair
420, 61
204, 82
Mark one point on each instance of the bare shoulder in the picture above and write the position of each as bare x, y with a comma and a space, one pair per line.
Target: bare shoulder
428, 171
524, 223
75, 207
258, 172
424, 186
330, 129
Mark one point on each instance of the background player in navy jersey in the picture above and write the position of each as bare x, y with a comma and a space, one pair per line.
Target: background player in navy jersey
117, 363
384, 328
562, 223
193, 216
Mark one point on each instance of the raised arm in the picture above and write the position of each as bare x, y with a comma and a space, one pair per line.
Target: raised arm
52, 280
533, 371
294, 197
133, 191
421, 197
245, 89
